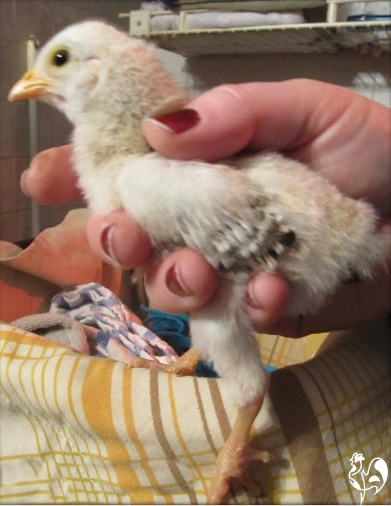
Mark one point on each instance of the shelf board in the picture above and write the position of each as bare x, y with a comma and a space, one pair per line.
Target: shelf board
368, 36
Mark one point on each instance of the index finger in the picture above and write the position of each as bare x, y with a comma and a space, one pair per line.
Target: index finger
50, 178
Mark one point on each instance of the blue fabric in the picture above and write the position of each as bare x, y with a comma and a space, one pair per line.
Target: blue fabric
174, 329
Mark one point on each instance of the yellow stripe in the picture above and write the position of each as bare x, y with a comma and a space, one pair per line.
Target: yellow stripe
46, 454
339, 389
96, 399
88, 453
18, 336
378, 386
56, 439
42, 431
4, 343
24, 402
24, 494
37, 399
148, 497
178, 432
219, 408
10, 400
82, 472
155, 399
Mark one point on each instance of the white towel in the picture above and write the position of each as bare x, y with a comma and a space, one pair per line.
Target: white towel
205, 20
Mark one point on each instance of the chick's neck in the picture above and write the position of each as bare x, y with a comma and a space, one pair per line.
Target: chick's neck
114, 128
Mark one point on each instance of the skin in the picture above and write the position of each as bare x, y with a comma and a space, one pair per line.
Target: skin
338, 133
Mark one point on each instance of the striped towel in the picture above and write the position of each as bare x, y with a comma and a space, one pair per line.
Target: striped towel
80, 429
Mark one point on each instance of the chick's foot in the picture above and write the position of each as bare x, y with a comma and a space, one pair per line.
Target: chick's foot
184, 366
232, 463
235, 456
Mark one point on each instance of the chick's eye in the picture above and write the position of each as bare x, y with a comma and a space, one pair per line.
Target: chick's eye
60, 57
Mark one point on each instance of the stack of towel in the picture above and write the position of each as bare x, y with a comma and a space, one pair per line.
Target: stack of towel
204, 14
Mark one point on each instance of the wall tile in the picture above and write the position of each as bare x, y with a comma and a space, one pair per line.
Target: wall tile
12, 199
15, 227
61, 129
33, 17
21, 129
7, 20
70, 11
44, 126
7, 185
51, 216
7, 59
20, 58
22, 203
6, 130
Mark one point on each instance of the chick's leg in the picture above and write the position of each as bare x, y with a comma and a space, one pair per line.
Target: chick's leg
184, 366
235, 456
221, 331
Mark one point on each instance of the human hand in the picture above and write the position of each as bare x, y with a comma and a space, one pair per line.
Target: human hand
338, 133
341, 135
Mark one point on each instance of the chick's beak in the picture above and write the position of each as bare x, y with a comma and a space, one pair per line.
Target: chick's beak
29, 86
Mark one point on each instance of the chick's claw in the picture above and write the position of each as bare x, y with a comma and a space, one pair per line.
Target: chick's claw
144, 363
186, 364
233, 464
235, 456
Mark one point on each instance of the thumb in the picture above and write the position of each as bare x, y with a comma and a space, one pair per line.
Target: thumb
227, 119
213, 126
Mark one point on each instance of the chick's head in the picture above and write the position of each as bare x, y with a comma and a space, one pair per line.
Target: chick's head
91, 68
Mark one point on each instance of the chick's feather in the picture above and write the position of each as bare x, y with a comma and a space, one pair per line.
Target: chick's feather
246, 214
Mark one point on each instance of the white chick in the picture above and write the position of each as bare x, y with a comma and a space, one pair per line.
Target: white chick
250, 213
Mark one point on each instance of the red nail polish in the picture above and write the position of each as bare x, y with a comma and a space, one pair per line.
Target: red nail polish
178, 121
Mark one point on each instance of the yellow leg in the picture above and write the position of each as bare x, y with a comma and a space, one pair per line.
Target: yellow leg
184, 366
234, 457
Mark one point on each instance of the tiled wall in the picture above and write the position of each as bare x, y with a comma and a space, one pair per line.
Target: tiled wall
363, 73
366, 74
18, 20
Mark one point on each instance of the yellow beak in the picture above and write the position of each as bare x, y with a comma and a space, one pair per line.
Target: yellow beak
29, 86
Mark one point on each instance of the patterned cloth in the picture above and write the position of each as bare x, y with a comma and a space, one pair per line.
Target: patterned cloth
113, 330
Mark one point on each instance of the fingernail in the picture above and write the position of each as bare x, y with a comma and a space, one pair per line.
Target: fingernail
251, 300
106, 242
175, 284
177, 121
22, 183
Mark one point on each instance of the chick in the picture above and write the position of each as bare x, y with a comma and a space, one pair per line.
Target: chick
246, 214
